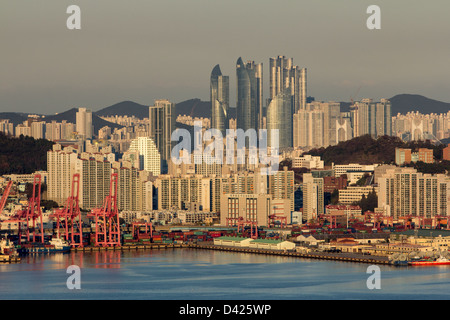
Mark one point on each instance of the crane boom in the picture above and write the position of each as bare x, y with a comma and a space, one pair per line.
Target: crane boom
5, 196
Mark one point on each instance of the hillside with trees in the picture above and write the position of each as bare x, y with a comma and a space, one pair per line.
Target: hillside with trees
367, 150
23, 155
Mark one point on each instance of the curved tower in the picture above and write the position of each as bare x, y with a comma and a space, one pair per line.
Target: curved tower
249, 95
220, 100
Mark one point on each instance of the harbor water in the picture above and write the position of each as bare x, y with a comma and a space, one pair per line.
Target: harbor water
190, 274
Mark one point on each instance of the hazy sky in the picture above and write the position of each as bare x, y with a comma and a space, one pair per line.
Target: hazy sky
142, 50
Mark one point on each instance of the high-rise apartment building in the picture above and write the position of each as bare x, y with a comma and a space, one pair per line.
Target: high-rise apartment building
6, 127
95, 178
38, 129
84, 125
249, 95
321, 124
417, 126
308, 128
281, 186
406, 192
373, 118
220, 100
60, 167
182, 191
134, 189
313, 197
161, 126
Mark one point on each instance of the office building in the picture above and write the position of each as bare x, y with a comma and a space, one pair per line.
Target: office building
402, 156
354, 193
446, 153
249, 207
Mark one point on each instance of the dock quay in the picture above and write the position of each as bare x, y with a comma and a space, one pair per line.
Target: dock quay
345, 257
150, 246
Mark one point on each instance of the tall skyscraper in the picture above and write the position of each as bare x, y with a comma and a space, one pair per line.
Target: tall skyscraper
284, 75
279, 117
220, 100
302, 88
249, 95
84, 123
162, 123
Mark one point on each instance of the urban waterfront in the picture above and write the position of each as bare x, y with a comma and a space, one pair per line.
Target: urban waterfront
189, 274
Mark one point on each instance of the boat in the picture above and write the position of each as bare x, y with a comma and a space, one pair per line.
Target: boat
431, 262
8, 251
55, 245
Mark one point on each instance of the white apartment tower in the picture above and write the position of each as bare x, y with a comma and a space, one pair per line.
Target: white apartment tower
148, 154
84, 125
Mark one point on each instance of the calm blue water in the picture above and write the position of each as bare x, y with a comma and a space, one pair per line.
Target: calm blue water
189, 274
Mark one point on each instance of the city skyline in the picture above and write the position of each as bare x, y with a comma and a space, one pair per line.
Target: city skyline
123, 53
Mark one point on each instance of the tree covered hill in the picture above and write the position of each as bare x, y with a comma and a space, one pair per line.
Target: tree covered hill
23, 155
367, 150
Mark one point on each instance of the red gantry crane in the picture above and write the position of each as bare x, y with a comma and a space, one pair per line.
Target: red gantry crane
68, 219
276, 217
245, 223
107, 228
29, 218
5, 196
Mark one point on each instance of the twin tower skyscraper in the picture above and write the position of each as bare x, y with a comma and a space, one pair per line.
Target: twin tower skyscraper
287, 95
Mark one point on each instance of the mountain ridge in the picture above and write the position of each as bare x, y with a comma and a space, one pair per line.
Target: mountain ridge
401, 103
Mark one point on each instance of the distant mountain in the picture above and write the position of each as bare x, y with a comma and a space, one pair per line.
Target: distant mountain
404, 103
70, 116
128, 108
14, 117
194, 108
